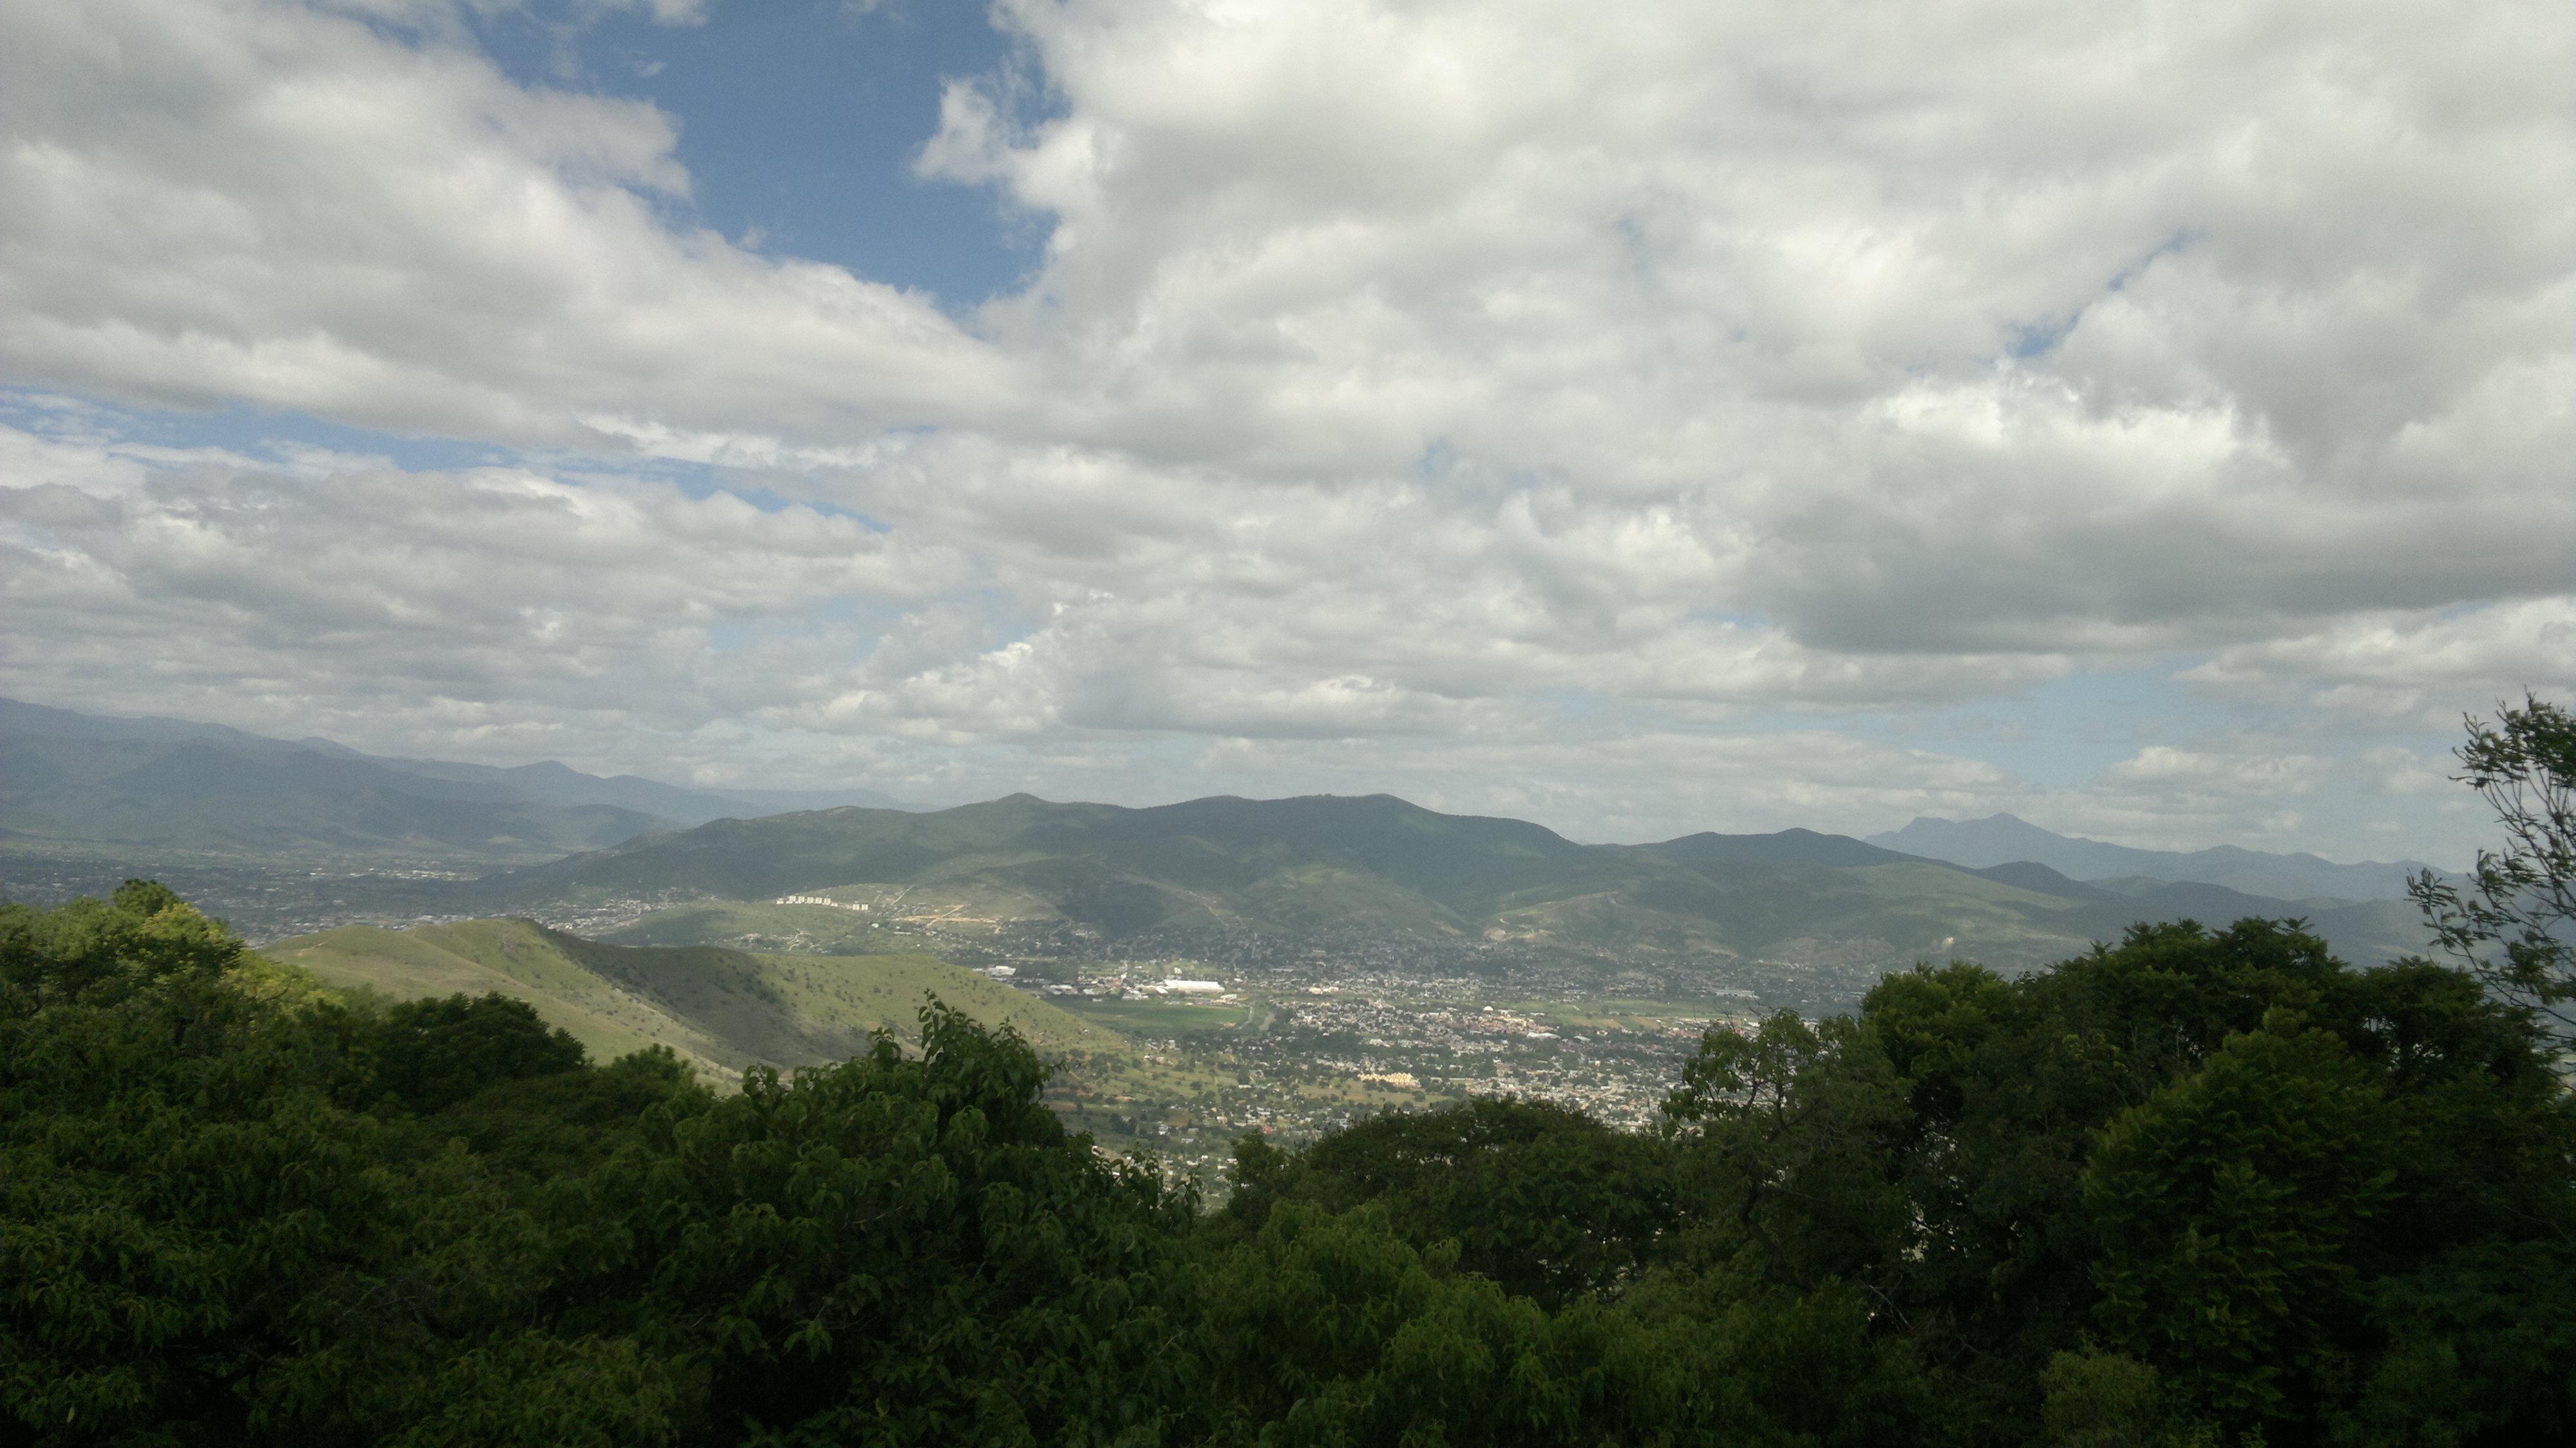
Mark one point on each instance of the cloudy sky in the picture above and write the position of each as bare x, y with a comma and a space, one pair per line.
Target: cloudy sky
2155, 420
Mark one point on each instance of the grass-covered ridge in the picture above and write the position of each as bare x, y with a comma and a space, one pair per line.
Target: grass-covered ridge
723, 1010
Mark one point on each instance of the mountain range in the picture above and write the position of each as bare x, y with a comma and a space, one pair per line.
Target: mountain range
1379, 866
70, 780
549, 840
2001, 839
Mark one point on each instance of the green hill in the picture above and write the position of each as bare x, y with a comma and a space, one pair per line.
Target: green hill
1374, 865
1120, 870
724, 1010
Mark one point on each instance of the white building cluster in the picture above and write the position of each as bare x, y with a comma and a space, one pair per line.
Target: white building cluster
819, 900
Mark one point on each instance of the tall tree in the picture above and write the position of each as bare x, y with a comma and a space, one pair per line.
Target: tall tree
2515, 924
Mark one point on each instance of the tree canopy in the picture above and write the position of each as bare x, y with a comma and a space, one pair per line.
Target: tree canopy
2200, 1186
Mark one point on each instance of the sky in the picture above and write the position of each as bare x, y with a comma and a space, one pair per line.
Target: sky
2155, 420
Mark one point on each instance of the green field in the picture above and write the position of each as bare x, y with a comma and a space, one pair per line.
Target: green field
1161, 1016
1635, 1017
758, 925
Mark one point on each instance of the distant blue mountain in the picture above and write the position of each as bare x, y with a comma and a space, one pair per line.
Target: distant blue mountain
1787, 847
2003, 839
71, 779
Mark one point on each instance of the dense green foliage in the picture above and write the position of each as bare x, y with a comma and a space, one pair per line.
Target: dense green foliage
2199, 1187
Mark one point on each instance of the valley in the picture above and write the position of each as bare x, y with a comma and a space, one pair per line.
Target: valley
1355, 953
1292, 1051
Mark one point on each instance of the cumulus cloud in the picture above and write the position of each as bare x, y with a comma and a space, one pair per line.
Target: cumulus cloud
196, 585
2401, 666
1504, 387
202, 201
496, 611
1991, 329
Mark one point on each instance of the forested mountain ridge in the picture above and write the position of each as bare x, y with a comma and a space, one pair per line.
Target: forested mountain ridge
133, 791
1379, 863
1114, 866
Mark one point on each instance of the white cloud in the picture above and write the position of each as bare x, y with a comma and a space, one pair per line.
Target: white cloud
201, 201
190, 588
2166, 771
1486, 384
2300, 275
2420, 666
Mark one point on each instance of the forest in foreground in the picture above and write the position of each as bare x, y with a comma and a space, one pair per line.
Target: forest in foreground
2201, 1187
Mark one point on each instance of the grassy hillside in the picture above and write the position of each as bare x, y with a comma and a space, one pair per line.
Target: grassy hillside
512, 957
725, 1010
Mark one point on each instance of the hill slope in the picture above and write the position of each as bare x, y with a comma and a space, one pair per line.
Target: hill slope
724, 1010
1374, 860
